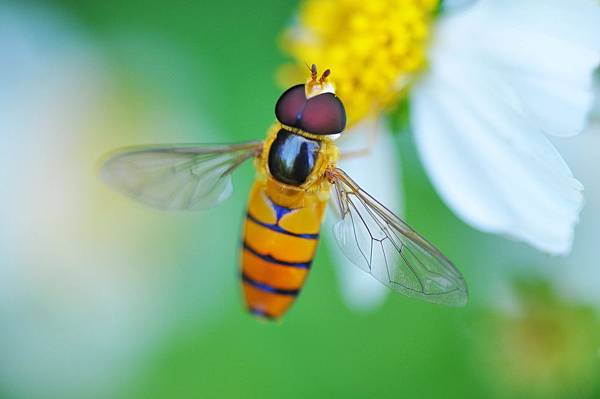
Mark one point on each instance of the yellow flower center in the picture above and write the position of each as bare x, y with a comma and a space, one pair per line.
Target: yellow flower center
372, 47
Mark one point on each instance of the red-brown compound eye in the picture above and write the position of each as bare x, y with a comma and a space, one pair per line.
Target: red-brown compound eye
323, 114
290, 105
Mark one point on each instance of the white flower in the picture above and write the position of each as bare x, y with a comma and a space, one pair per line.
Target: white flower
495, 79
84, 291
577, 275
502, 76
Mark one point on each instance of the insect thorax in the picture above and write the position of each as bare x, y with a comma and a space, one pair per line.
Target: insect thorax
293, 165
292, 157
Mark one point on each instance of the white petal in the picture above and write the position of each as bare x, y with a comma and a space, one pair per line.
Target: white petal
501, 74
545, 52
578, 275
379, 174
490, 164
595, 112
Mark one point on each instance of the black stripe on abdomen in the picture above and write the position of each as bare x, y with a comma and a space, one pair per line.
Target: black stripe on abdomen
270, 259
277, 228
268, 288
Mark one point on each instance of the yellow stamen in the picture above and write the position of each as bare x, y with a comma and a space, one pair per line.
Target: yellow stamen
372, 47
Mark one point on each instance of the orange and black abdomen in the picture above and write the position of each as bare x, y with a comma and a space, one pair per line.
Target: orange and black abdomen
278, 247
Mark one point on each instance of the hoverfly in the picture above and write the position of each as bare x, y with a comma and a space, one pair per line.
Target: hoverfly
295, 172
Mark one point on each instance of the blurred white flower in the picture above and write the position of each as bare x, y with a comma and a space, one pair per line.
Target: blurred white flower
502, 75
87, 285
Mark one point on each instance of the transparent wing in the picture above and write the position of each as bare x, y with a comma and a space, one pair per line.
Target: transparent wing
177, 177
381, 244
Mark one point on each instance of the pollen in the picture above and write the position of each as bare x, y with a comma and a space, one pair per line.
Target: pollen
373, 48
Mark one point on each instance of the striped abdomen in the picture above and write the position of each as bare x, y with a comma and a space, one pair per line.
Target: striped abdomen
279, 244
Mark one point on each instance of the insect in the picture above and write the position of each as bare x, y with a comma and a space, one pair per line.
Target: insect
296, 178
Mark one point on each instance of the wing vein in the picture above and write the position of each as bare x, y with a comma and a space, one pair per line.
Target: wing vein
402, 259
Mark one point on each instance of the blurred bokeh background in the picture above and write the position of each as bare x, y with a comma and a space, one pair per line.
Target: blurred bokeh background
103, 298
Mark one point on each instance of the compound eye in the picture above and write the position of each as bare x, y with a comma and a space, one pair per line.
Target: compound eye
288, 108
323, 114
